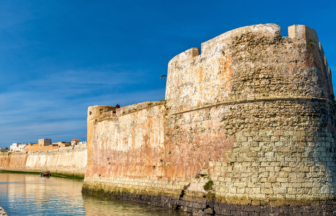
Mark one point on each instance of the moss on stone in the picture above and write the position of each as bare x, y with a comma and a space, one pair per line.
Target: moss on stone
19, 172
105, 190
208, 185
73, 176
53, 174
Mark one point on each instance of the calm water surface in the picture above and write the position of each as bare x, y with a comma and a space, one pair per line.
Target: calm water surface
24, 194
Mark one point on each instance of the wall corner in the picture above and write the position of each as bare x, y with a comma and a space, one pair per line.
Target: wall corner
302, 32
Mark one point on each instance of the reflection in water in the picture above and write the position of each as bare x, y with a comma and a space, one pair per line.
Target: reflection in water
96, 206
24, 194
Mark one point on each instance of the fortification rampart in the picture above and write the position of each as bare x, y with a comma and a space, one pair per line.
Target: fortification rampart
67, 161
253, 114
249, 63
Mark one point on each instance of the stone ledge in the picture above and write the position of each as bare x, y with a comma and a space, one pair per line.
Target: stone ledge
209, 205
249, 100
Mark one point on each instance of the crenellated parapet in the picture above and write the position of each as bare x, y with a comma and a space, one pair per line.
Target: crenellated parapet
99, 112
253, 62
303, 32
225, 41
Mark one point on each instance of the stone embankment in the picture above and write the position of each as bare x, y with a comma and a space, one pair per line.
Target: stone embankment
68, 161
247, 127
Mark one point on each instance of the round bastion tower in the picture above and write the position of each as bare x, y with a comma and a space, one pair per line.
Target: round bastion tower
255, 113
247, 126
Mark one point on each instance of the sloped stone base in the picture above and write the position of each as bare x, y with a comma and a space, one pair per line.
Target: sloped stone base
209, 206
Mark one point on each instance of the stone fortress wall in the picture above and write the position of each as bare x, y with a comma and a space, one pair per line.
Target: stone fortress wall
66, 161
253, 113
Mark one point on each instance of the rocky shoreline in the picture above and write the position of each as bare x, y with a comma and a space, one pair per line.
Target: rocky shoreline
2, 212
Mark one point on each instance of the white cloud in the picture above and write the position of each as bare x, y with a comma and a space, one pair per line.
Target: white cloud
55, 107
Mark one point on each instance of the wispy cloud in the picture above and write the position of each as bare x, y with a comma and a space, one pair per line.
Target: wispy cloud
55, 106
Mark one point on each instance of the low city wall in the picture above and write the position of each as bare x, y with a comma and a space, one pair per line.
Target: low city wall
69, 161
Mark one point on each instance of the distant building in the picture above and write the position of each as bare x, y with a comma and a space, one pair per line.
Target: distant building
3, 150
61, 144
15, 147
42, 145
45, 145
22, 147
44, 142
75, 141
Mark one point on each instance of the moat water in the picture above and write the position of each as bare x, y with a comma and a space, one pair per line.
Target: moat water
25, 194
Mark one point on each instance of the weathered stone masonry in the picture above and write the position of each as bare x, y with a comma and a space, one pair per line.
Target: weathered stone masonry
69, 161
254, 113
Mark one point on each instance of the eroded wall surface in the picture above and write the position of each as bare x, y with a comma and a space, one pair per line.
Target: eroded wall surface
128, 145
254, 114
68, 160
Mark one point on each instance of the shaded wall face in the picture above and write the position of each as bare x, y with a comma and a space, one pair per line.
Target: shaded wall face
129, 146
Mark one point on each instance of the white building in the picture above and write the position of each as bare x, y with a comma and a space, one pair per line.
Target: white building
75, 141
22, 147
15, 147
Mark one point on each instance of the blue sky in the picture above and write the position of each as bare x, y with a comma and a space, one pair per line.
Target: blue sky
57, 58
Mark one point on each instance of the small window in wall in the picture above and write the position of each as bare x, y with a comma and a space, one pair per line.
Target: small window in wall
90, 113
114, 111
101, 111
